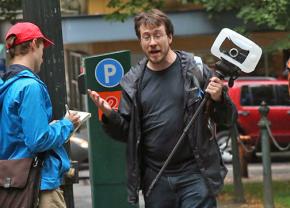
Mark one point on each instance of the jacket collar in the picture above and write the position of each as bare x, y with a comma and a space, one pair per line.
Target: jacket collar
15, 69
14, 73
130, 81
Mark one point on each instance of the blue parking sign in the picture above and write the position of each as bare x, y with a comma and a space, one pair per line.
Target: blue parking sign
109, 72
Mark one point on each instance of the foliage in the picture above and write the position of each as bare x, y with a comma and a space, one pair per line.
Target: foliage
266, 13
124, 9
273, 14
270, 14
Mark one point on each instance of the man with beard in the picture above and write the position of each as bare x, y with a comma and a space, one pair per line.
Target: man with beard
159, 96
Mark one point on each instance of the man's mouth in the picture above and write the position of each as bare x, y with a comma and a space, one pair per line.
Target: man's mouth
153, 52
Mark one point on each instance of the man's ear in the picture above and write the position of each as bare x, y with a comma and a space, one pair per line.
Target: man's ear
33, 43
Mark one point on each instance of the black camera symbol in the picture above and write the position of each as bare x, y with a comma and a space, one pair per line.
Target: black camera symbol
232, 50
238, 55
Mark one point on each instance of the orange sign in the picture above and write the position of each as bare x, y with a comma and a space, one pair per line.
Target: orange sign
113, 98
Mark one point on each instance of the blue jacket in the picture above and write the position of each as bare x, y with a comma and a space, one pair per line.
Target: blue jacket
25, 129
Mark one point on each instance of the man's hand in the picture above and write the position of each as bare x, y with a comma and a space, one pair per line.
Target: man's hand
214, 88
102, 104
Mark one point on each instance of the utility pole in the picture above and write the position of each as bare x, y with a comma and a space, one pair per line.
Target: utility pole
46, 14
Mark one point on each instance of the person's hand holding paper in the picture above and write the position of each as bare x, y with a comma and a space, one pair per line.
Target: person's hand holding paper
77, 117
73, 117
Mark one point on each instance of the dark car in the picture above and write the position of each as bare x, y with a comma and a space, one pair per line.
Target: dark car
247, 95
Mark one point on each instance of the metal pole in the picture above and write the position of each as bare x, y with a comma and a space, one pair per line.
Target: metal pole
238, 186
46, 14
267, 175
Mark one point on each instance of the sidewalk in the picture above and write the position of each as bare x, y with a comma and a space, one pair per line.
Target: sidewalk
280, 171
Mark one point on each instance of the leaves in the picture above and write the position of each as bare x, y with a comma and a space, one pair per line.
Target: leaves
265, 13
270, 13
273, 14
124, 9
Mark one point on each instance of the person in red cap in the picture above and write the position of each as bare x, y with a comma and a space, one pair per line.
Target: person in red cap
26, 113
20, 40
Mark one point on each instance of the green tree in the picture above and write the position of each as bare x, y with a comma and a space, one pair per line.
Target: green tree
124, 9
269, 13
273, 14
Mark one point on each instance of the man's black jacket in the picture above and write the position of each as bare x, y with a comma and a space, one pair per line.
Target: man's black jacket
125, 125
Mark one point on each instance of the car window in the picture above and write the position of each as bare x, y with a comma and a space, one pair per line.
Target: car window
263, 93
282, 95
271, 94
246, 98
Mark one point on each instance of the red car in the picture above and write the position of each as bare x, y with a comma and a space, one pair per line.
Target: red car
247, 94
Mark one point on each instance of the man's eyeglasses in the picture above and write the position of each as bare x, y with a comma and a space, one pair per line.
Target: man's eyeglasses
147, 38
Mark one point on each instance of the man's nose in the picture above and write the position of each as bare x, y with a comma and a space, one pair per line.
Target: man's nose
152, 41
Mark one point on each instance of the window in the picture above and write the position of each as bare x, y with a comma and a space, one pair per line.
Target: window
263, 93
272, 94
246, 98
75, 99
282, 95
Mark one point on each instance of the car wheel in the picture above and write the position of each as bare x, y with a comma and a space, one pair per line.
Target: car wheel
225, 146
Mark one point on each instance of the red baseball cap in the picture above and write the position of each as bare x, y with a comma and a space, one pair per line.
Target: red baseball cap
25, 31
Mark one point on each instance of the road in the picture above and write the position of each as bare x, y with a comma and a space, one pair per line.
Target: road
280, 171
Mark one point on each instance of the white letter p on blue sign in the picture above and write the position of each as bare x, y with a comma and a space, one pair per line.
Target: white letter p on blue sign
109, 72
